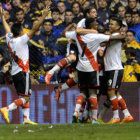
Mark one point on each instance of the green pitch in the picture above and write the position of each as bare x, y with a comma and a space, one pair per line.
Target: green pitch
130, 131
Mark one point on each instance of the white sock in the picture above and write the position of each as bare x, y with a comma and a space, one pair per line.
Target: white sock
77, 108
126, 113
26, 112
116, 114
64, 87
94, 114
102, 112
11, 107
54, 69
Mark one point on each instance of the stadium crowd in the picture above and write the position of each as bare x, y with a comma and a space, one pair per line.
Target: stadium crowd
47, 47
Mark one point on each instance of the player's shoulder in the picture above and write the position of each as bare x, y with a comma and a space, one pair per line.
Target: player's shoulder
9, 35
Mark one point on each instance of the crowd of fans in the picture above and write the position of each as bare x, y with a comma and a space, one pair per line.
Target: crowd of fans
47, 47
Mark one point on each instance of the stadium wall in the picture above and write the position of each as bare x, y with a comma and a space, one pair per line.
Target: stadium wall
44, 108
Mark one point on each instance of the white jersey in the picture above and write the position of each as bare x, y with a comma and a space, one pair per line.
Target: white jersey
112, 58
19, 51
81, 23
90, 42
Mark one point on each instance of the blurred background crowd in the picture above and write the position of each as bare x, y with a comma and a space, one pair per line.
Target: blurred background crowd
47, 47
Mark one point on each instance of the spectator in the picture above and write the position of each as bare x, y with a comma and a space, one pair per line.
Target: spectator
20, 18
135, 22
121, 12
16, 3
28, 10
7, 18
77, 11
36, 15
80, 1
132, 5
103, 12
114, 6
7, 5
5, 76
49, 3
57, 28
86, 5
68, 18
48, 37
131, 67
39, 5
62, 8
68, 3
130, 40
128, 18
124, 29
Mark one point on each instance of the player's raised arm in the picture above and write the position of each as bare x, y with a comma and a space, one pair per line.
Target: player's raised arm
5, 24
70, 27
38, 24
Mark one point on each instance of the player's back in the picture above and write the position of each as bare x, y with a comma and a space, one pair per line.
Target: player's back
112, 59
88, 47
19, 51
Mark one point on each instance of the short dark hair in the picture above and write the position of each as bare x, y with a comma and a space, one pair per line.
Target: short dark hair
48, 20
23, 1
135, 13
16, 29
88, 22
56, 10
128, 12
131, 32
68, 10
18, 10
4, 61
117, 19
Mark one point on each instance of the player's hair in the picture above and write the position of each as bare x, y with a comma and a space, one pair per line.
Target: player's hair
131, 32
88, 22
16, 29
117, 19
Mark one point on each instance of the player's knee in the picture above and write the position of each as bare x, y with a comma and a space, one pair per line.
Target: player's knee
72, 57
111, 92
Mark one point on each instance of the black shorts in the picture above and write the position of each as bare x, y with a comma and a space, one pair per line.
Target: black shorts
103, 86
113, 79
88, 79
22, 83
